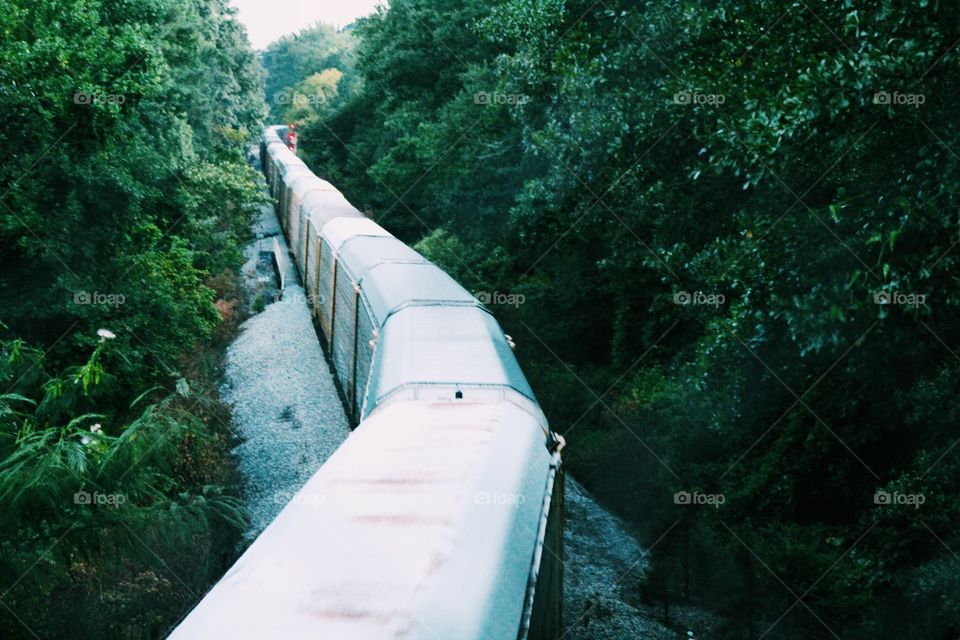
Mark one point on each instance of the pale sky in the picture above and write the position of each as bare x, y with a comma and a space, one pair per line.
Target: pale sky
267, 20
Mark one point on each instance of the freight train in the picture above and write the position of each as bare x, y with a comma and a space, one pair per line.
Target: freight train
440, 517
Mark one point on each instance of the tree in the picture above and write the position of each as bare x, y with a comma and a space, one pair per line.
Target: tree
123, 192
734, 227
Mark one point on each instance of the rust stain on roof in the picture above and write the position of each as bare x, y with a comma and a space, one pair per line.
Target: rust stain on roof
404, 519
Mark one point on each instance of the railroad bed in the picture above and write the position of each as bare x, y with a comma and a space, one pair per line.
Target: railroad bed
286, 408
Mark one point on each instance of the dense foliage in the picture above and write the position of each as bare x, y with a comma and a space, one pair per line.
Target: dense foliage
124, 513
124, 196
725, 236
306, 73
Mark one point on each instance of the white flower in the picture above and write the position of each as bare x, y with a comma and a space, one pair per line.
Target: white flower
85, 440
97, 428
106, 334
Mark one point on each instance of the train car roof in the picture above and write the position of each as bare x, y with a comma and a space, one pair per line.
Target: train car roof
339, 230
388, 287
272, 133
442, 345
322, 206
422, 525
282, 154
301, 185
291, 165
362, 252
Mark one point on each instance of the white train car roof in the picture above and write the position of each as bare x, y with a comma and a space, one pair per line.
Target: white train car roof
422, 526
290, 165
293, 171
339, 230
282, 154
272, 133
362, 252
275, 145
460, 347
301, 185
389, 287
322, 206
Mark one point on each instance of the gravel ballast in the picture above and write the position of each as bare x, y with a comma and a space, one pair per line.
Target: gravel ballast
285, 406
604, 567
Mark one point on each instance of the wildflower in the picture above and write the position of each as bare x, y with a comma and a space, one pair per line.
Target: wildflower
106, 334
97, 429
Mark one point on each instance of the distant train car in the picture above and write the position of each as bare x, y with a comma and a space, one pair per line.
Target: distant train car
441, 516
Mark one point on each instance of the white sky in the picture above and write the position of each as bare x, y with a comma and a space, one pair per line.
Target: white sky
267, 20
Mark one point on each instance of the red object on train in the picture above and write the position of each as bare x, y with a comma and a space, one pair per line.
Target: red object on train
292, 137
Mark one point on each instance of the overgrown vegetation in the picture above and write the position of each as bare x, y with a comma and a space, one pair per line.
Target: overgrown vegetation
125, 197
307, 73
99, 509
734, 230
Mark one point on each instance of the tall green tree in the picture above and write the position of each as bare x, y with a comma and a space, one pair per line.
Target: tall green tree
734, 227
124, 193
292, 59
124, 188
